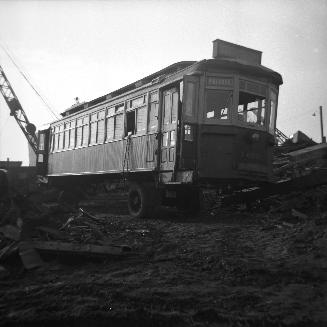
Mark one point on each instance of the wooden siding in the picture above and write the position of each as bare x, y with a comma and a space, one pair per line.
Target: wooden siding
106, 158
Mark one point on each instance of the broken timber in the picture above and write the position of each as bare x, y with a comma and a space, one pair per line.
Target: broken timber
315, 178
80, 249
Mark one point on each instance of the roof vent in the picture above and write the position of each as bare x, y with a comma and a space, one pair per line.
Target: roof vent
223, 49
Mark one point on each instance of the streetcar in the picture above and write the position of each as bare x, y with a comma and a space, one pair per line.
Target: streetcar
193, 125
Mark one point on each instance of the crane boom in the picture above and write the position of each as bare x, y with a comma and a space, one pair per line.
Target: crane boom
17, 111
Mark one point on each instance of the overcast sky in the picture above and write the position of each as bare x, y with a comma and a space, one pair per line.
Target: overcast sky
89, 48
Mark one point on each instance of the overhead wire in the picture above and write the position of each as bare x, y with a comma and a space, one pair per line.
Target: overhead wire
53, 113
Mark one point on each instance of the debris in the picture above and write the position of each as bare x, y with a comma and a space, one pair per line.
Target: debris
81, 249
298, 214
288, 224
84, 212
8, 250
30, 258
19, 223
69, 220
11, 232
52, 232
3, 272
139, 231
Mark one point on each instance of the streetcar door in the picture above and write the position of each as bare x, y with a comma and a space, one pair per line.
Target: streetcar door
170, 100
189, 126
42, 152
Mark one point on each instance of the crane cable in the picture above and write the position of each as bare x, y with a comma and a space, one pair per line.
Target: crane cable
55, 115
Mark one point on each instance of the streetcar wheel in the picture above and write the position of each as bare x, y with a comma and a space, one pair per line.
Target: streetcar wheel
139, 201
143, 200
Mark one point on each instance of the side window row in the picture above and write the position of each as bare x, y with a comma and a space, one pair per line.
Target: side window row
107, 124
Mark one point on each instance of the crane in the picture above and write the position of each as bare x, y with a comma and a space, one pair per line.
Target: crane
17, 111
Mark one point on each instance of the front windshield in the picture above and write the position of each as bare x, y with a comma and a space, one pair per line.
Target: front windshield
252, 103
251, 109
219, 104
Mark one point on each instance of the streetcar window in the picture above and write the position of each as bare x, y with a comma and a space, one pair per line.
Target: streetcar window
94, 128
140, 120
119, 126
153, 112
167, 108
85, 131
251, 109
165, 139
93, 132
41, 142
188, 133
174, 108
190, 93
66, 135
273, 108
115, 125
110, 128
100, 132
137, 102
52, 139
130, 124
172, 138
79, 132
154, 97
61, 138
219, 104
72, 135
119, 107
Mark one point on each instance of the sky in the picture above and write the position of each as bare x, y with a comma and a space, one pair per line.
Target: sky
88, 48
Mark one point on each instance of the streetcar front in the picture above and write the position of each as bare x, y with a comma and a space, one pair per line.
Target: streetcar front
229, 117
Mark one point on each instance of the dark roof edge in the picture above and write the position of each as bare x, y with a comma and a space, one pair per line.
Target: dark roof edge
244, 66
165, 71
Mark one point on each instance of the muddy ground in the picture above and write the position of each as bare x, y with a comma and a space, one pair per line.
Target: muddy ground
232, 267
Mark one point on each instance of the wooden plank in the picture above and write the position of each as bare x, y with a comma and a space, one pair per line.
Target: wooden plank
81, 249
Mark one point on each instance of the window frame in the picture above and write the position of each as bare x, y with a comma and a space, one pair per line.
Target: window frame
119, 109
272, 89
220, 87
267, 111
137, 107
155, 102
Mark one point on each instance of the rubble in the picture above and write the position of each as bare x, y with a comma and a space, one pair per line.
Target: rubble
30, 258
33, 226
3, 272
238, 266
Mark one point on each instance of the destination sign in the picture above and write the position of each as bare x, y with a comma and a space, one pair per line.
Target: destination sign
219, 81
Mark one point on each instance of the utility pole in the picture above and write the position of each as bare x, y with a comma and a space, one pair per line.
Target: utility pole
323, 138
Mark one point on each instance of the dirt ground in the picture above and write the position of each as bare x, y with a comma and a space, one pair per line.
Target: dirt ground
231, 267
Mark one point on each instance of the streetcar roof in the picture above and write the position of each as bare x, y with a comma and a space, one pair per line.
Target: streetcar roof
203, 65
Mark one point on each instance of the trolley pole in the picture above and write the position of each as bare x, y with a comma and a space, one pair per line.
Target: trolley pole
323, 138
